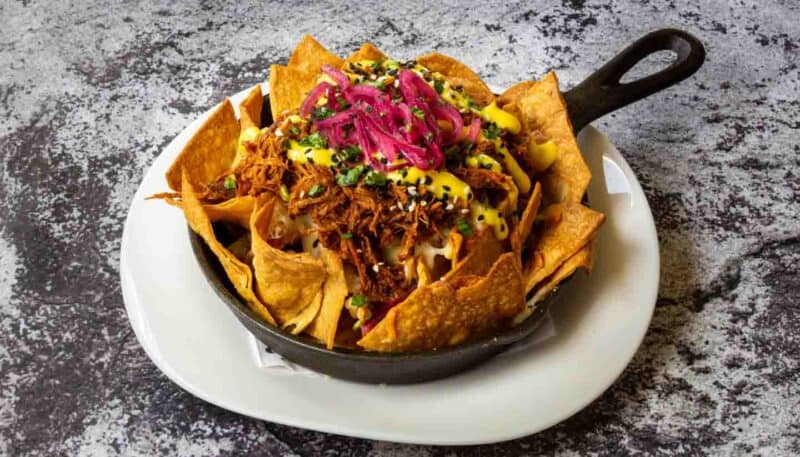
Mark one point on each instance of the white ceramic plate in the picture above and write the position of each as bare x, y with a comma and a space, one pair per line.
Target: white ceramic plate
600, 321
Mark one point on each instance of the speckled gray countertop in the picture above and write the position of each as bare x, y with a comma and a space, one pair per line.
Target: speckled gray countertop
91, 93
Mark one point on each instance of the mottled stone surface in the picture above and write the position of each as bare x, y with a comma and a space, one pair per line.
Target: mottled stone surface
90, 93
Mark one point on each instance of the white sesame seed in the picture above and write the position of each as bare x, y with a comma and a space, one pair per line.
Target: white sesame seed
278, 132
465, 211
412, 206
412, 190
375, 268
373, 77
302, 193
449, 207
359, 250
423, 203
400, 206
396, 83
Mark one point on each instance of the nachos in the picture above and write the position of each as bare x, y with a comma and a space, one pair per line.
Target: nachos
389, 205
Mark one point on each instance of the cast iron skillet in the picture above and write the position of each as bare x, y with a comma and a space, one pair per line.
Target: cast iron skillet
599, 94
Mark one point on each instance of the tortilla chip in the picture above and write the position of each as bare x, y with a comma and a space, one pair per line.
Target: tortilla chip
450, 312
512, 95
523, 229
334, 293
210, 152
483, 254
239, 273
460, 75
582, 259
288, 87
366, 52
291, 283
236, 210
249, 122
423, 274
456, 240
544, 111
560, 241
250, 109
309, 56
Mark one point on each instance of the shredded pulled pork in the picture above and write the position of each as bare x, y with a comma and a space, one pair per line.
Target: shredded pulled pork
356, 222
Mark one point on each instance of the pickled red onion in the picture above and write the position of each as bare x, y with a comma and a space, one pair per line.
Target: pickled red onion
389, 125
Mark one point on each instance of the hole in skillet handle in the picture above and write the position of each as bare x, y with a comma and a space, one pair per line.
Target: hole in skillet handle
602, 92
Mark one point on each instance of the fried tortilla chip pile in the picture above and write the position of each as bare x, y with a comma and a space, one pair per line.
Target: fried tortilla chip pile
390, 206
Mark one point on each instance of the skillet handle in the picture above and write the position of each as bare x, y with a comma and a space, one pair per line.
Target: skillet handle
602, 92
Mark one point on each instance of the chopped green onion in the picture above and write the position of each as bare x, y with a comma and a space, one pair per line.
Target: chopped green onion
379, 84
322, 112
492, 131
375, 178
316, 190
351, 153
315, 140
438, 86
350, 177
284, 193
347, 236
357, 301
230, 182
464, 227
294, 130
418, 112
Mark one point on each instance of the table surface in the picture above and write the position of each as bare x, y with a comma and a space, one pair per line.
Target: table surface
90, 94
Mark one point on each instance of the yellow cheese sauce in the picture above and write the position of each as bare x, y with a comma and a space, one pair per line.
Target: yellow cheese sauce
501, 118
485, 215
484, 161
306, 154
247, 134
521, 178
542, 155
442, 184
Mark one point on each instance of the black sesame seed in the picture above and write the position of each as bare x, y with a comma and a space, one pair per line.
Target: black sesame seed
445, 196
311, 160
428, 180
446, 187
404, 172
503, 227
480, 217
469, 195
